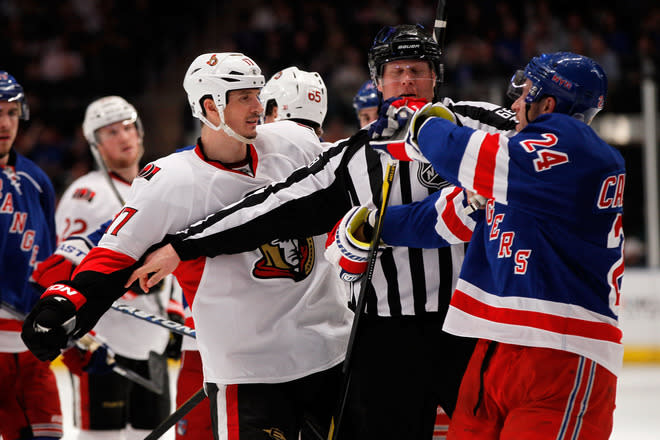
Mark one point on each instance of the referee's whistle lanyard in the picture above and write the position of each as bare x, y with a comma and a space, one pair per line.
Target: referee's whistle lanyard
484, 366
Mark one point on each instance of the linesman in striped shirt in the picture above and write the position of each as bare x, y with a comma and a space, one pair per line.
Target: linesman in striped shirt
404, 365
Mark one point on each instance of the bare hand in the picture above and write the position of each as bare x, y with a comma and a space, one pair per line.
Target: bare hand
159, 263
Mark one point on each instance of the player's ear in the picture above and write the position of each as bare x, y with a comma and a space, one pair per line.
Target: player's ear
209, 106
549, 104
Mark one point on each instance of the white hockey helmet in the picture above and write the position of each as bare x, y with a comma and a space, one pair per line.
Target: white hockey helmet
213, 75
299, 95
108, 110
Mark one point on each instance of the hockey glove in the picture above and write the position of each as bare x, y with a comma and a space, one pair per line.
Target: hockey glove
345, 250
409, 150
89, 356
60, 265
393, 116
51, 324
175, 313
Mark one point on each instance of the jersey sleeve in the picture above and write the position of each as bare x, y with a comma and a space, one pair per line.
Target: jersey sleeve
535, 171
154, 208
309, 202
439, 220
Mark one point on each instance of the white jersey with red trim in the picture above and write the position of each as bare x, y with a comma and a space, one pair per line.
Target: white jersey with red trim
273, 314
85, 205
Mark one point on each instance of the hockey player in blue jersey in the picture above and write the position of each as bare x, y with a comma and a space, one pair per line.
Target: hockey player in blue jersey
29, 403
540, 285
366, 103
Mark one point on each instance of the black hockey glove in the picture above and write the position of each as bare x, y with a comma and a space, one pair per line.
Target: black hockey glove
175, 313
50, 325
173, 349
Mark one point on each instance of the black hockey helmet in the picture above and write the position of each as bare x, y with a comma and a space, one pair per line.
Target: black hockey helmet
403, 42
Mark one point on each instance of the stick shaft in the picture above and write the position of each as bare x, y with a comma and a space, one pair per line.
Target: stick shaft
359, 309
177, 415
172, 326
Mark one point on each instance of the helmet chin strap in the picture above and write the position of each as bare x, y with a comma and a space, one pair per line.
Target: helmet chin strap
226, 128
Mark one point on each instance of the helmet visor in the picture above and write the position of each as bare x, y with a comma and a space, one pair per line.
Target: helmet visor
516, 85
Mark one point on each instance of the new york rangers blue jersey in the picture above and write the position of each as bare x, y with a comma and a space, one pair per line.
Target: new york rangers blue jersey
27, 225
545, 264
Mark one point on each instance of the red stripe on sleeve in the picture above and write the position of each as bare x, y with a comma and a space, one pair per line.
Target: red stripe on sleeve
544, 321
453, 221
189, 274
484, 174
104, 261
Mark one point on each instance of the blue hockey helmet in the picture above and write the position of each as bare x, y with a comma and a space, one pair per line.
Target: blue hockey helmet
366, 97
11, 90
578, 83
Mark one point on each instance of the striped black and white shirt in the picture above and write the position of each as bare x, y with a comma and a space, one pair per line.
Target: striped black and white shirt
406, 281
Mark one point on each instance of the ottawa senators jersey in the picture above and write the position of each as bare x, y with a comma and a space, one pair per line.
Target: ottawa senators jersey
85, 205
272, 314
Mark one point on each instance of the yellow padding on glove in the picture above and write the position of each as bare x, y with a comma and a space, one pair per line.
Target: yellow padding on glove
359, 219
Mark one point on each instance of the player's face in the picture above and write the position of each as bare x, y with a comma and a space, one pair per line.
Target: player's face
413, 78
9, 115
119, 144
243, 111
367, 115
519, 106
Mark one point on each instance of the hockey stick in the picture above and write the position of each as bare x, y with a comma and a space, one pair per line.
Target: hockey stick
90, 343
106, 172
335, 424
173, 418
172, 326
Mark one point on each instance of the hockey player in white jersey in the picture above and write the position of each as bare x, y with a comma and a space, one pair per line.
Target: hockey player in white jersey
296, 95
401, 343
108, 405
272, 330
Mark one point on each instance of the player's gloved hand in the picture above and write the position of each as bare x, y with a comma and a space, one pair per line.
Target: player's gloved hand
53, 269
175, 313
89, 357
393, 116
408, 149
60, 265
51, 324
347, 247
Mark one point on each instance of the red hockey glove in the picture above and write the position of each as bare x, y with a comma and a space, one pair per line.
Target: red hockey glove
53, 269
407, 149
346, 252
95, 358
393, 116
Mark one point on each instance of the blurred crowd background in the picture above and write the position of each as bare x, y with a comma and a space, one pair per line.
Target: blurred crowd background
69, 52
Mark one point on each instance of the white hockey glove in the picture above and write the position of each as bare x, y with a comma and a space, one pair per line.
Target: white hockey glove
408, 150
345, 250
393, 116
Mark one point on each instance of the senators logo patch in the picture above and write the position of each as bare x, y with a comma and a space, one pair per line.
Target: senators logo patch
149, 171
293, 259
429, 178
84, 194
213, 60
